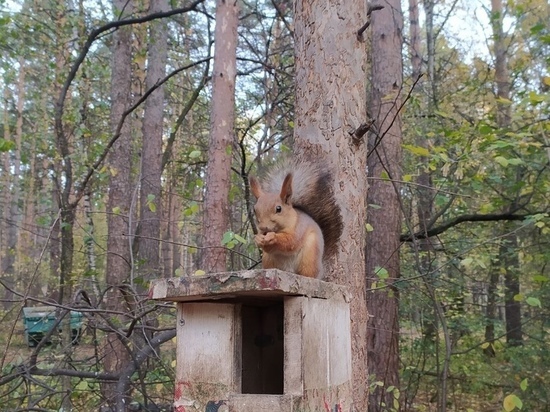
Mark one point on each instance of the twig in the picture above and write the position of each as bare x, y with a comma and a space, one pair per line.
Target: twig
365, 26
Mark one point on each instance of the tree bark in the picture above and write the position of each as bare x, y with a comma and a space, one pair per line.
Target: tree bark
218, 173
382, 252
151, 153
330, 106
491, 311
120, 192
508, 252
512, 307
13, 215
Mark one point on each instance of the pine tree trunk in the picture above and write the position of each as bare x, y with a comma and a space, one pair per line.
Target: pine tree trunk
330, 106
151, 153
218, 173
508, 251
382, 252
119, 200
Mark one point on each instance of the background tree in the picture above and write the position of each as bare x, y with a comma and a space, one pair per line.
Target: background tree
119, 212
220, 147
150, 195
384, 214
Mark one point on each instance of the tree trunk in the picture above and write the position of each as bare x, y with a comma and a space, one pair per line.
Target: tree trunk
508, 251
491, 312
414, 40
512, 307
330, 106
218, 173
13, 215
382, 252
151, 153
120, 192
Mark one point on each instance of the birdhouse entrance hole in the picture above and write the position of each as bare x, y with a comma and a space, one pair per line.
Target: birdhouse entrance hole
263, 348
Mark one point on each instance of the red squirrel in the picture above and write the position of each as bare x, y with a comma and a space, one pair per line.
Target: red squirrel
299, 221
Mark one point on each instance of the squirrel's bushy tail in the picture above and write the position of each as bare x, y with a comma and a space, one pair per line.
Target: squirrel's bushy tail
312, 192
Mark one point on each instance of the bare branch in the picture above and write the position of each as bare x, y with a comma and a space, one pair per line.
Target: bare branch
367, 24
465, 218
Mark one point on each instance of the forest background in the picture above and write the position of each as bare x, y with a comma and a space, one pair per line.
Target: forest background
109, 139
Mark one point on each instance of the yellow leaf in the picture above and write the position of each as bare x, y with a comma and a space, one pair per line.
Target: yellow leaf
199, 272
417, 150
511, 402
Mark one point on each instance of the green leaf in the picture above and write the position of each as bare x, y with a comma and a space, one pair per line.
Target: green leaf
511, 402
369, 227
466, 262
240, 238
82, 386
504, 101
384, 175
485, 129
531, 301
194, 154
535, 98
6, 145
417, 150
519, 297
501, 161
199, 272
150, 202
523, 385
227, 237
381, 272
515, 161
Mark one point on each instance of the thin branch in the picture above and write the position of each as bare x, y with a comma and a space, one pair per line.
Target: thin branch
380, 137
114, 138
170, 142
465, 218
365, 26
59, 107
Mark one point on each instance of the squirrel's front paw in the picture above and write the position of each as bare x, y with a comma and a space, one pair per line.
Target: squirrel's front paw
259, 239
269, 238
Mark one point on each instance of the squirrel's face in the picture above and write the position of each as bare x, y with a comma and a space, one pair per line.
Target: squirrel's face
274, 211
273, 214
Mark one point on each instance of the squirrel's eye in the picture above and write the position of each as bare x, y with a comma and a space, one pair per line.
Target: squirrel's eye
278, 209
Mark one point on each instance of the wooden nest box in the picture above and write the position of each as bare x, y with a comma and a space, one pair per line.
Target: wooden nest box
260, 341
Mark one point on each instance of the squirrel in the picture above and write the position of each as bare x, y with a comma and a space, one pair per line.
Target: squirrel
299, 220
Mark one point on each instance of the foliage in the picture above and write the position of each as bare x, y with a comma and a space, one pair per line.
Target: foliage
488, 184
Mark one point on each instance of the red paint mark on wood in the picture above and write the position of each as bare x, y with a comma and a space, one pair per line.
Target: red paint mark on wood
327, 407
178, 391
268, 282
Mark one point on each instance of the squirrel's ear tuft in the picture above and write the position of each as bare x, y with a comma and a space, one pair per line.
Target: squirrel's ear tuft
255, 187
286, 189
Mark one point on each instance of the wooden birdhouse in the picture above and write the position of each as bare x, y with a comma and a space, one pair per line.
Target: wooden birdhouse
260, 341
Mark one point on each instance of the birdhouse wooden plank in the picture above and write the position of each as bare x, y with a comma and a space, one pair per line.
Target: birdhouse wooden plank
262, 340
